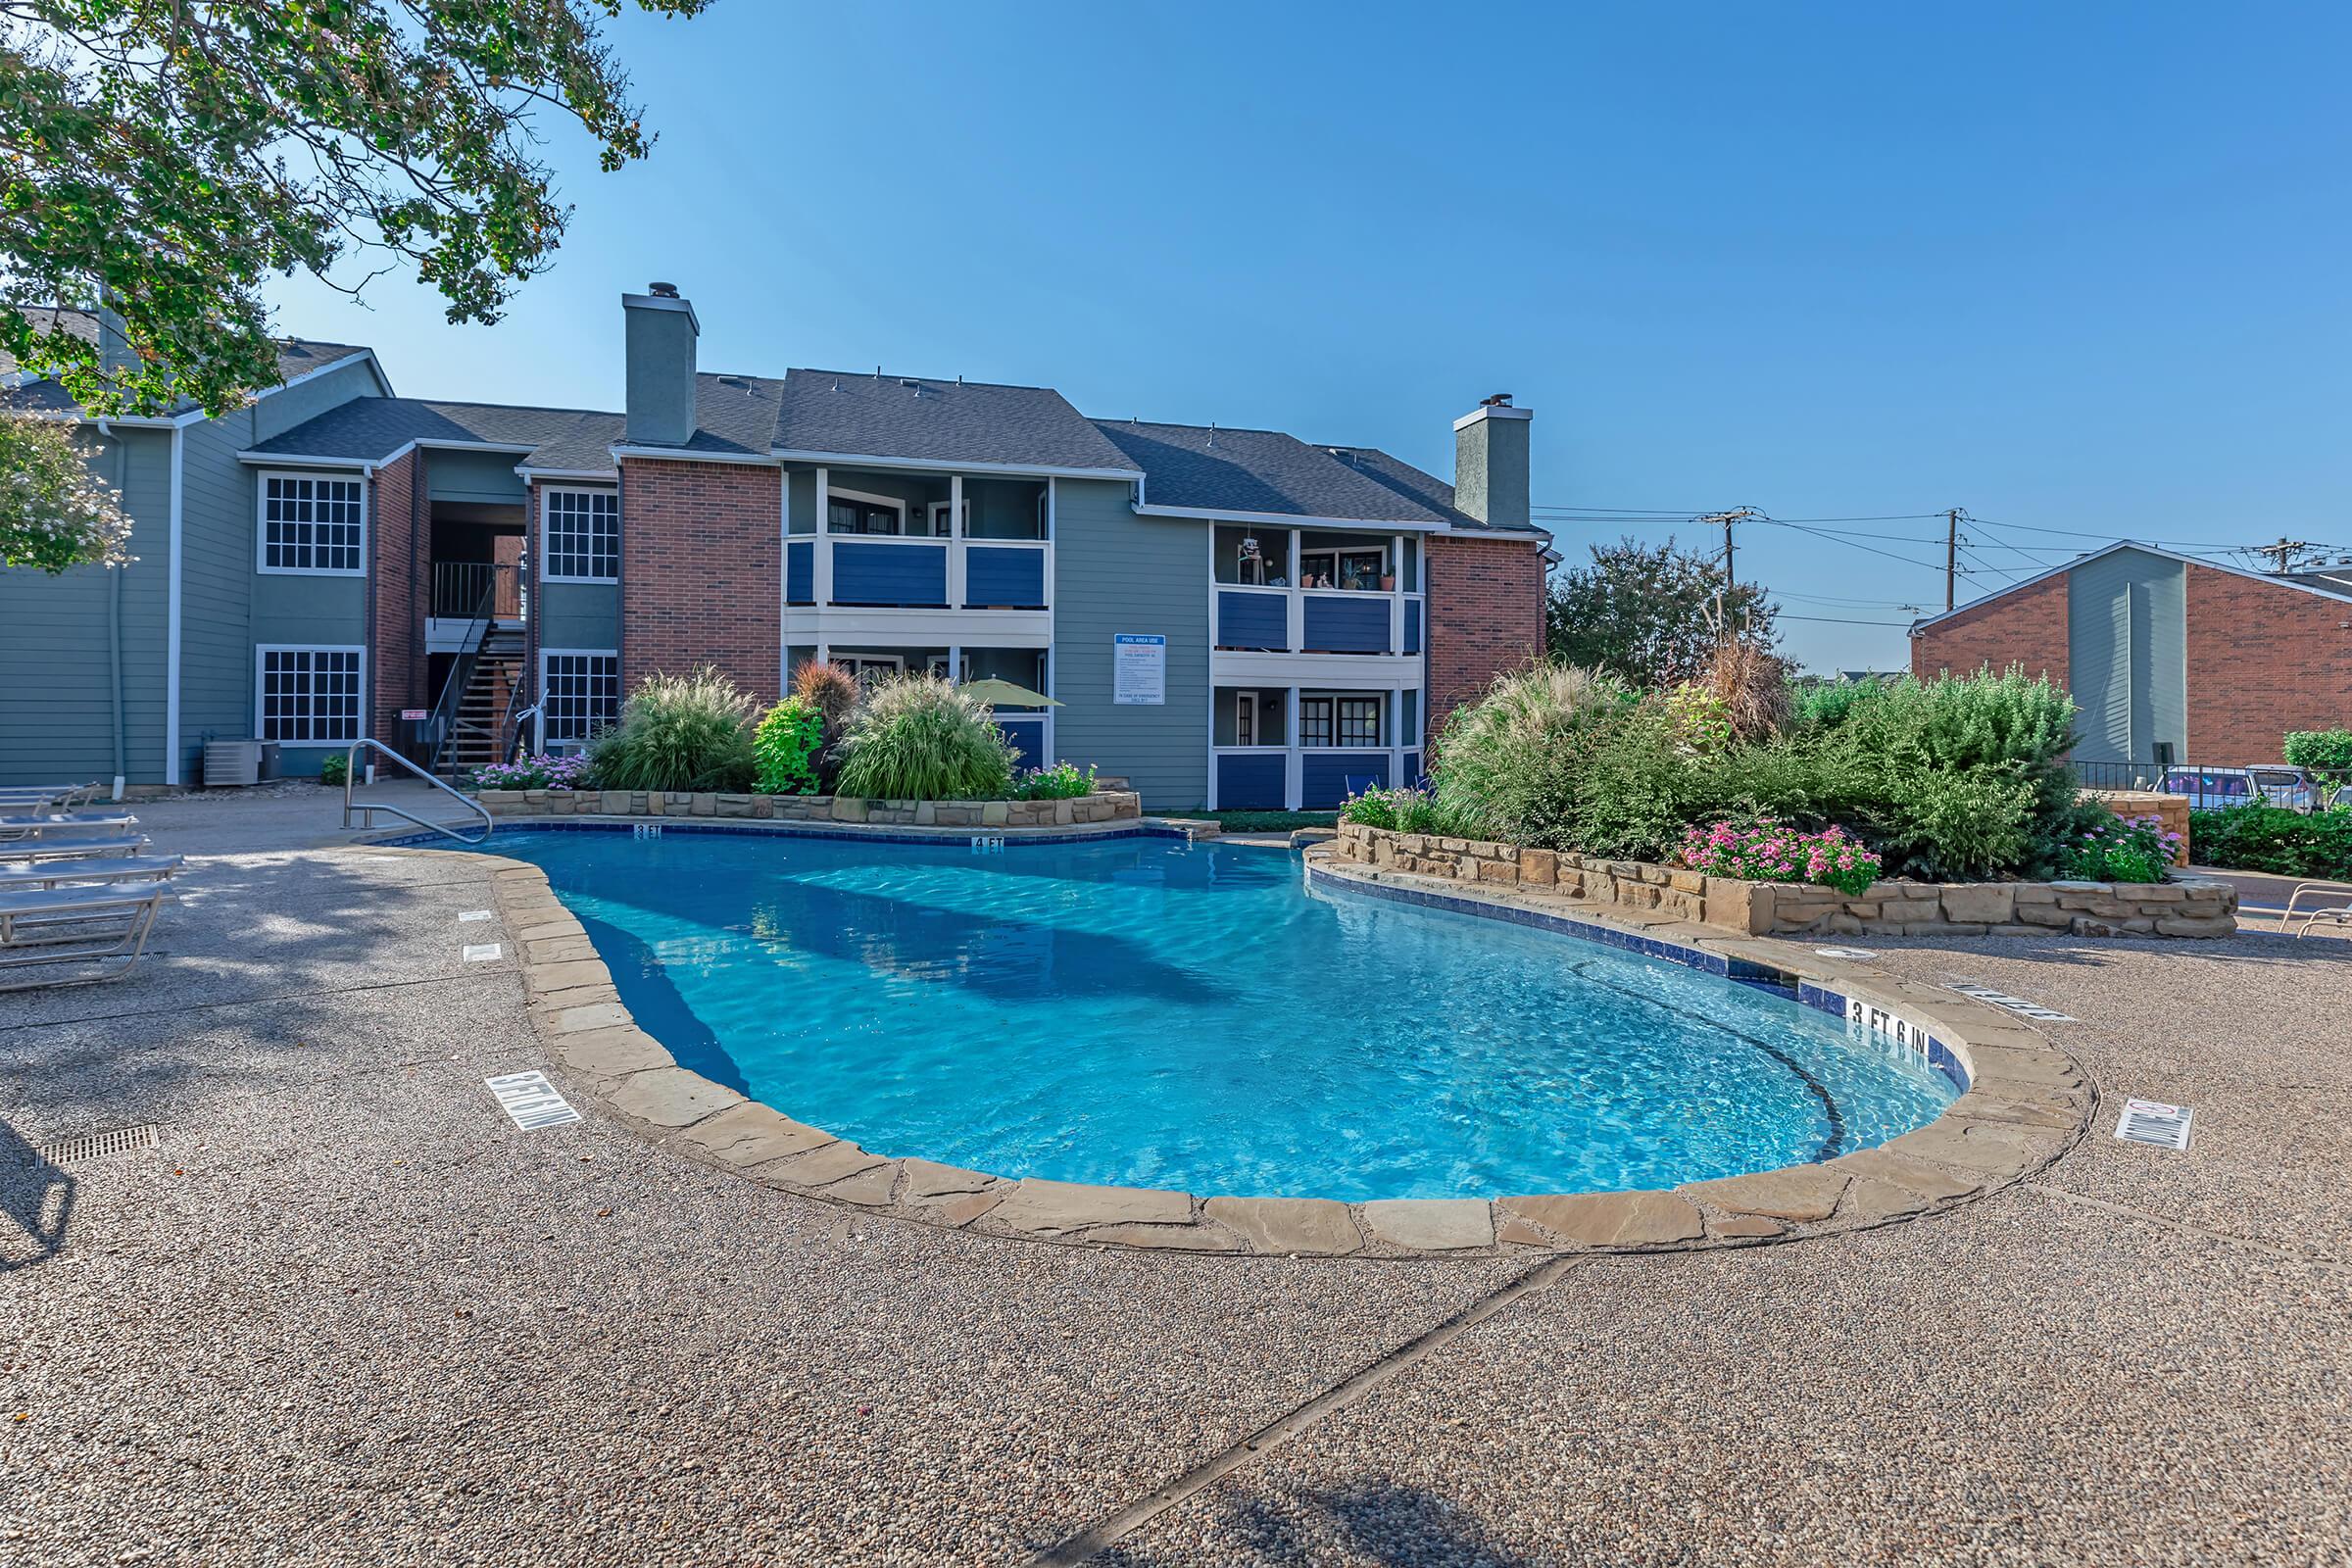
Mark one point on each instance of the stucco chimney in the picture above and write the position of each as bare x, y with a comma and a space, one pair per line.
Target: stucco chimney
1490, 463
662, 334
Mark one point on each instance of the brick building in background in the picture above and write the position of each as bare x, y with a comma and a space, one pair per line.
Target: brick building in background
2160, 650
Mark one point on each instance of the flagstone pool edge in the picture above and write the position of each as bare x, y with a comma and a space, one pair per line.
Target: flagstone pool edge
2022, 1105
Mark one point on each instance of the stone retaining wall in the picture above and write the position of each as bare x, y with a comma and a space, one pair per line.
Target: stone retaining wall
2181, 907
1104, 805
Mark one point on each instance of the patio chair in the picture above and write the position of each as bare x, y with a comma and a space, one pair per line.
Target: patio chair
46, 797
41, 929
16, 829
71, 847
60, 870
2336, 914
1355, 784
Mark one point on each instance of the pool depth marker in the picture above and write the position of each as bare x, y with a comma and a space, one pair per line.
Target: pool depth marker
2152, 1121
531, 1101
2009, 1004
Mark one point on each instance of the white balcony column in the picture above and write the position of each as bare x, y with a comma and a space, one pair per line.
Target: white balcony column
954, 663
956, 541
1294, 606
1292, 783
1396, 729
1396, 595
820, 568
1047, 757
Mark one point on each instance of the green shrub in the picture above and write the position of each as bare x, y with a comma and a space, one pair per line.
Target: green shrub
1510, 765
1060, 782
1826, 706
678, 732
2120, 849
336, 768
1402, 811
785, 747
2326, 752
917, 738
2271, 837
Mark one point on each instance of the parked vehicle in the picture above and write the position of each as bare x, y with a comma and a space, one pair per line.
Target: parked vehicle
2211, 789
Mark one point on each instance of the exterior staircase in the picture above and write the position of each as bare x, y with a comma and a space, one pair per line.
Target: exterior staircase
475, 735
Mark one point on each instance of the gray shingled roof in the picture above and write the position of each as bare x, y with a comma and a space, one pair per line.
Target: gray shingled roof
734, 414
584, 447
939, 421
374, 429
1213, 469
296, 355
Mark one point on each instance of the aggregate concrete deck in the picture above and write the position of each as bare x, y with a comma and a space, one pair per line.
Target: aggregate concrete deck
346, 1314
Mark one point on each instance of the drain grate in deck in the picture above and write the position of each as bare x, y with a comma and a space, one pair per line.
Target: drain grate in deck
100, 1146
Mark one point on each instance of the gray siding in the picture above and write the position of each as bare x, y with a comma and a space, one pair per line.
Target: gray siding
578, 614
56, 693
2127, 653
485, 477
1116, 572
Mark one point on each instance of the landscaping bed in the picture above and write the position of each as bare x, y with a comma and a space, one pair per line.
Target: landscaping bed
1897, 907
1106, 806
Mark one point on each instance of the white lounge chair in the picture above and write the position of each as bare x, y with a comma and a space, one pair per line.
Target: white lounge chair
61, 871
16, 829
25, 852
2339, 913
105, 927
46, 797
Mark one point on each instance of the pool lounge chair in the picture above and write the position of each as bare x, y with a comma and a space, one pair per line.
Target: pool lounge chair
20, 827
99, 932
46, 797
71, 847
2339, 913
59, 871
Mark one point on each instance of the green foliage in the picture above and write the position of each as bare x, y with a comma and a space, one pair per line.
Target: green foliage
917, 738
2271, 837
1405, 810
336, 768
177, 157
1645, 614
1511, 762
54, 512
678, 732
785, 747
1060, 782
1825, 706
2119, 850
1267, 821
2327, 752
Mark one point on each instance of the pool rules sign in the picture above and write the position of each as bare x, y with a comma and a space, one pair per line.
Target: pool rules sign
1138, 669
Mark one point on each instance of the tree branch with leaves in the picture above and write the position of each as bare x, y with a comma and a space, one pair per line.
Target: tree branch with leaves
54, 512
172, 155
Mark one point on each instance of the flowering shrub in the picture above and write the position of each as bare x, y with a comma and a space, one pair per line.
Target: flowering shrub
546, 771
1400, 811
1060, 782
2133, 849
1766, 851
785, 747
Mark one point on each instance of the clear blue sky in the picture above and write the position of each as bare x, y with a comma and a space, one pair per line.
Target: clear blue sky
2071, 268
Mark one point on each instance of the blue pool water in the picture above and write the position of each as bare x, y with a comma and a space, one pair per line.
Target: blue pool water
1142, 1012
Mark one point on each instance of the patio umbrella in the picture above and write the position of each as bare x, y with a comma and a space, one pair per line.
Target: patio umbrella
1004, 694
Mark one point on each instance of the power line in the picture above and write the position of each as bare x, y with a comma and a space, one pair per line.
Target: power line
1912, 560
1842, 620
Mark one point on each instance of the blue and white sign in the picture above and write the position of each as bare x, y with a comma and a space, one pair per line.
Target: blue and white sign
1138, 669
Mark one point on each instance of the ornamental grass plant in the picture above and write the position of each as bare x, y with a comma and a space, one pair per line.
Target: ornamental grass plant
678, 732
917, 738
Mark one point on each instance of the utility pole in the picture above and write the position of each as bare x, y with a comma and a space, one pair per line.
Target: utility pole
2284, 551
1723, 588
1951, 555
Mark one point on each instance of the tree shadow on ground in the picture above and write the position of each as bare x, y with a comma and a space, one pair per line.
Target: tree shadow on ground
36, 1198
1368, 1520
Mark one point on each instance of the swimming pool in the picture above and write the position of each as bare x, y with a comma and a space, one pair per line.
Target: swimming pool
1143, 1011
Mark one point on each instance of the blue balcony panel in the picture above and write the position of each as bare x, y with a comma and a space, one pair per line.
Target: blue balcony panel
1028, 738
1326, 778
1412, 626
799, 571
1336, 625
1252, 620
999, 577
890, 575
1249, 783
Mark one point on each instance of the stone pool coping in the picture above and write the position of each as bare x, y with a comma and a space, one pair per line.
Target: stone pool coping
2023, 1104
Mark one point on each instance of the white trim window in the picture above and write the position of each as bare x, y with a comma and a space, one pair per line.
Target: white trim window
1335, 722
579, 534
854, 511
579, 692
312, 523
306, 696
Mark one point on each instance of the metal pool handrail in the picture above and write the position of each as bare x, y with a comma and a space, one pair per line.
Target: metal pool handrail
367, 810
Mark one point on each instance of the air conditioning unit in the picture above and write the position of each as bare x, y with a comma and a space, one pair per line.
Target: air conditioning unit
231, 764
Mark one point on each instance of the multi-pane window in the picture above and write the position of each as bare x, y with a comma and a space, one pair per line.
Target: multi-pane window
579, 692
1338, 721
309, 696
313, 524
860, 514
583, 534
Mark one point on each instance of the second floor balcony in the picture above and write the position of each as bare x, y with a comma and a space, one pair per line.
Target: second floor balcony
919, 542
1309, 591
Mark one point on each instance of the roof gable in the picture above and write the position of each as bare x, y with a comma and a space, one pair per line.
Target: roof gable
2325, 589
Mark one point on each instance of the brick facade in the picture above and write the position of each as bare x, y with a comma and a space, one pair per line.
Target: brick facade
396, 505
1485, 615
701, 570
2027, 627
2264, 659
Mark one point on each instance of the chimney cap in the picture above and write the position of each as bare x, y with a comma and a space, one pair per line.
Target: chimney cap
662, 291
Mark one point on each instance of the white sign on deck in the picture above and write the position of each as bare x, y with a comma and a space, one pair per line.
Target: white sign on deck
2009, 1004
1138, 669
2152, 1121
481, 952
532, 1101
